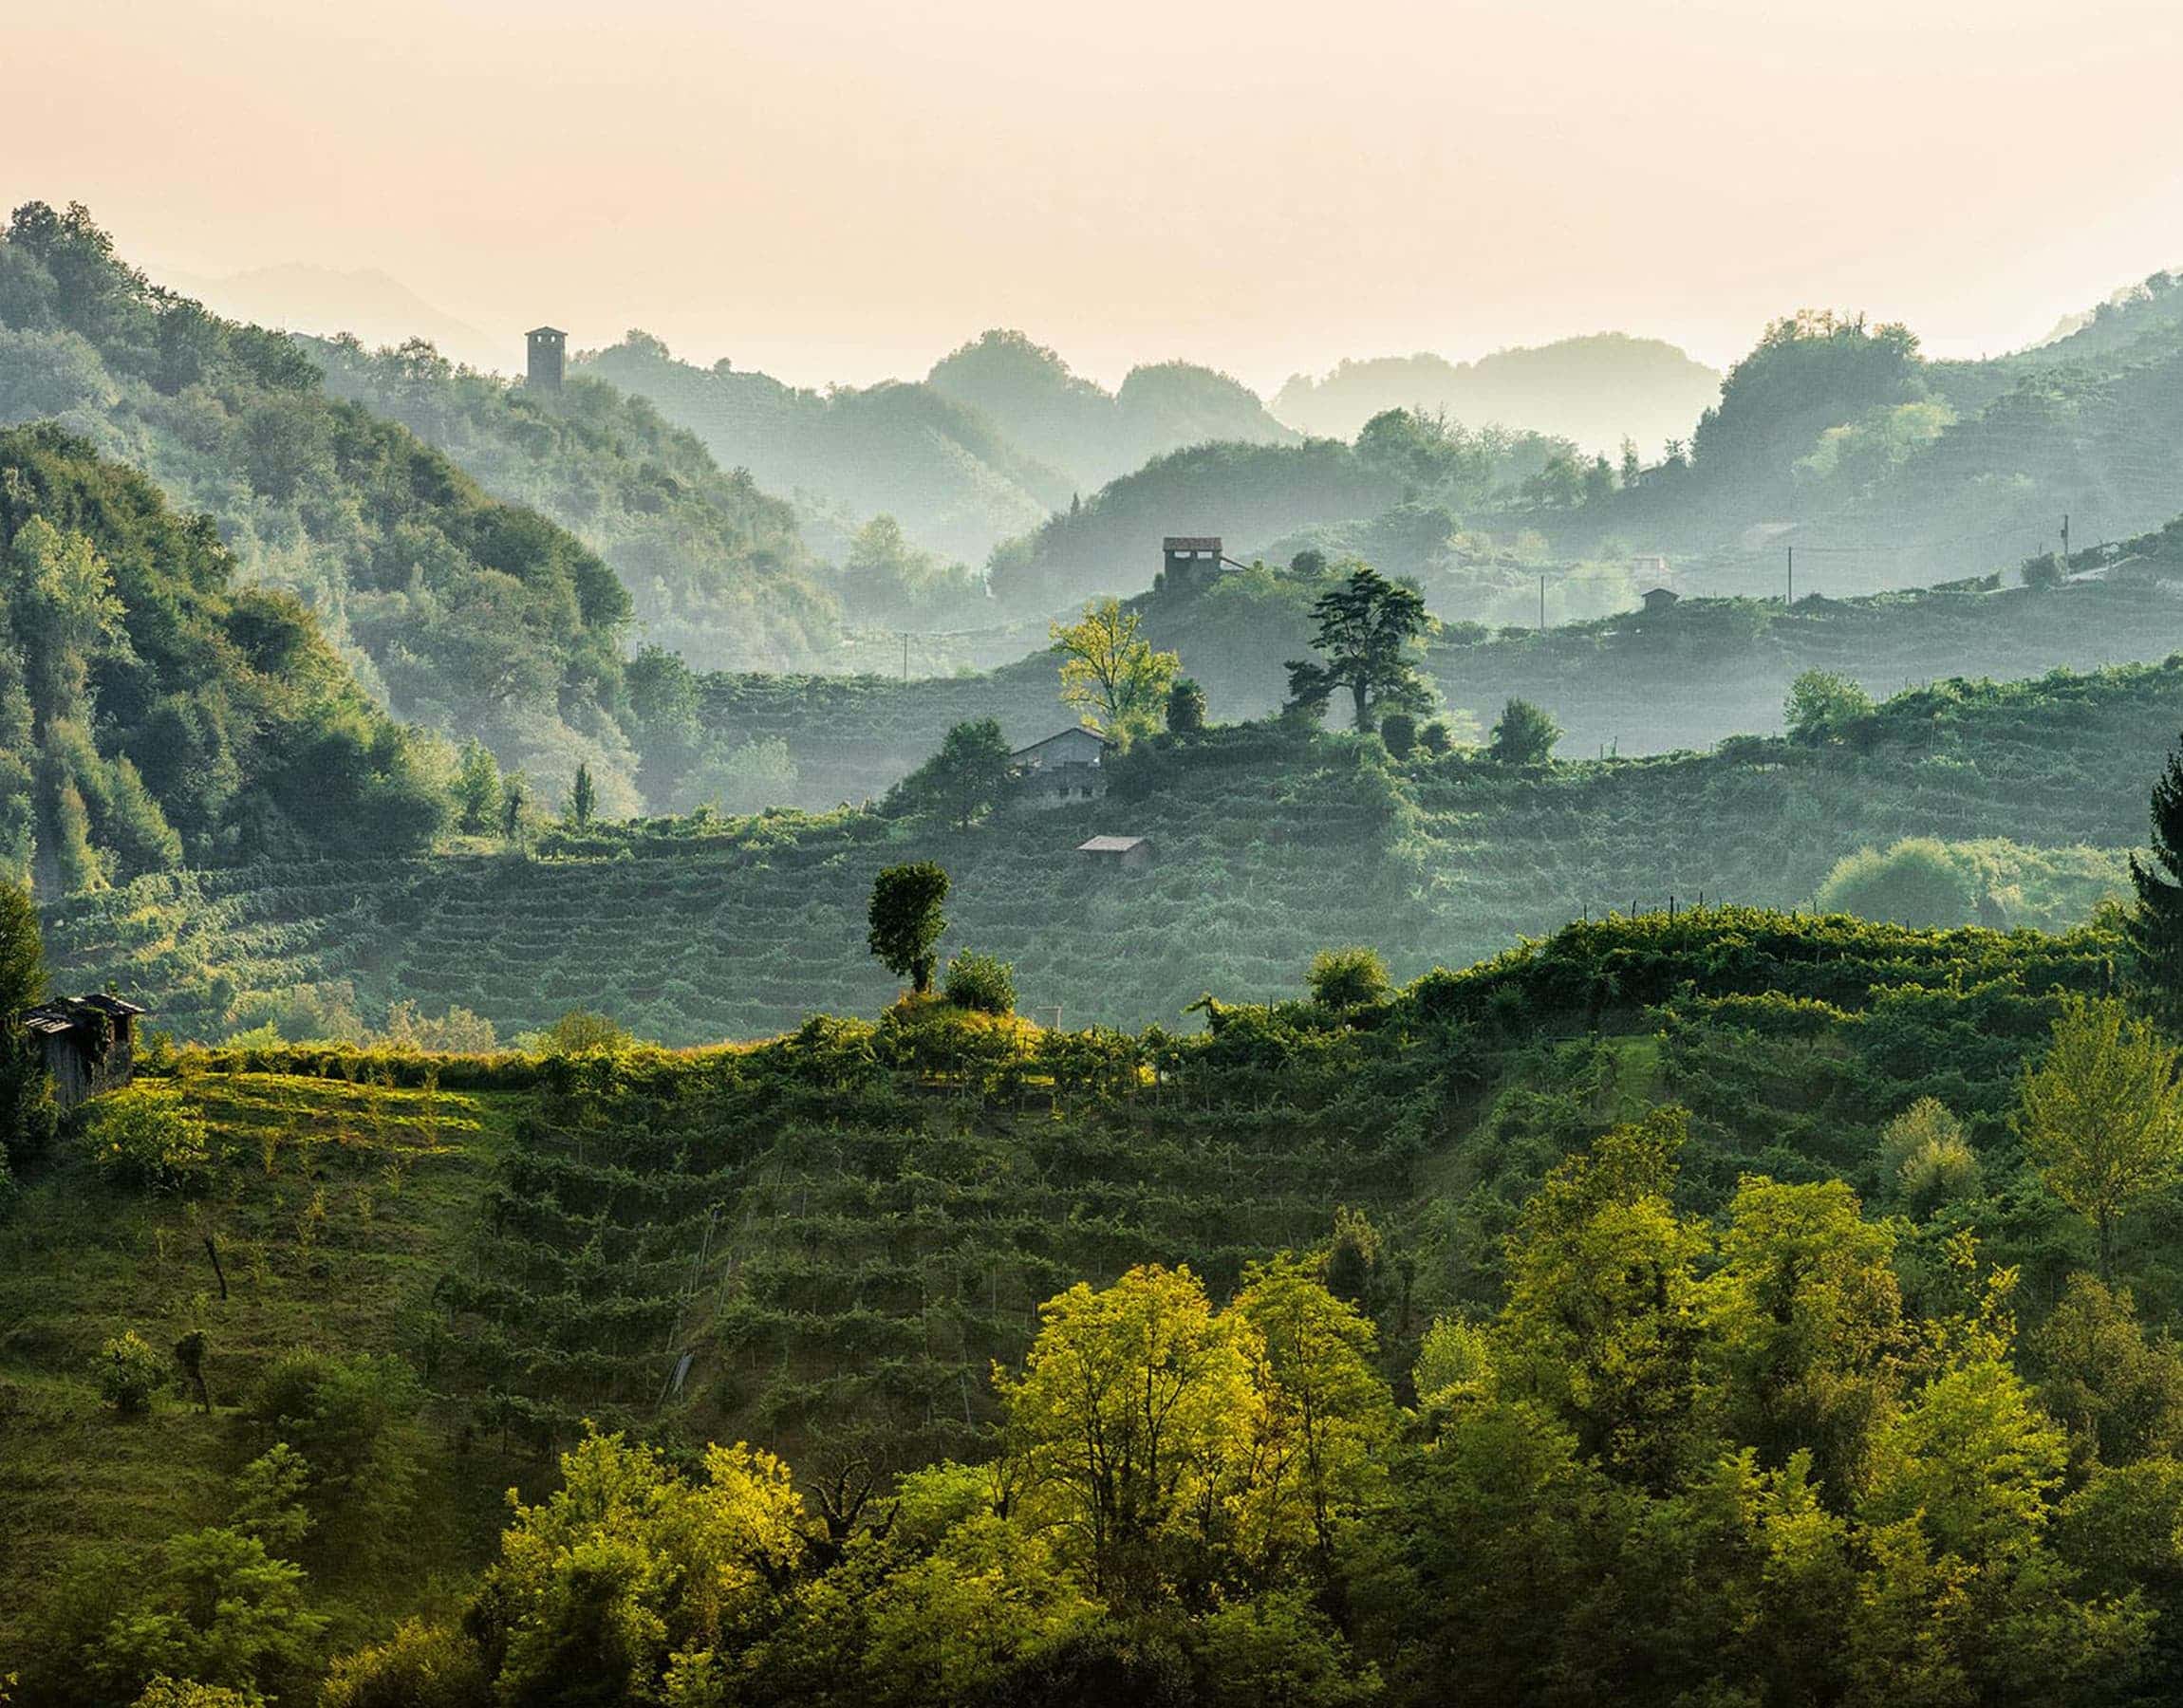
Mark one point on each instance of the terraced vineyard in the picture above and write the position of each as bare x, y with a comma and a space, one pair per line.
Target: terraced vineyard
1686, 678
825, 1240
1269, 847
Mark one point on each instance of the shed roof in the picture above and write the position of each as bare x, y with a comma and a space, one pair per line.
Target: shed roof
1113, 845
1061, 735
64, 1013
1651, 593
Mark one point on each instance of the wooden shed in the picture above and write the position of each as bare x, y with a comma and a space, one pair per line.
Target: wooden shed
90, 1044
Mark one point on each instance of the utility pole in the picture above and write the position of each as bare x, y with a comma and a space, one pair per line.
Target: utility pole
1542, 605
2065, 538
905, 654
1792, 578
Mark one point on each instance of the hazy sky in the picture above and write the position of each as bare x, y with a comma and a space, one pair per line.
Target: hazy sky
847, 188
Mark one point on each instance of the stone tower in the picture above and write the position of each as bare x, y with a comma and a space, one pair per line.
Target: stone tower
549, 358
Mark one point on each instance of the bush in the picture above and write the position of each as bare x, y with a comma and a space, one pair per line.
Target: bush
1398, 731
1186, 708
1523, 735
147, 1136
1821, 703
1917, 883
419, 1666
582, 1032
129, 1373
1924, 1159
984, 982
1342, 979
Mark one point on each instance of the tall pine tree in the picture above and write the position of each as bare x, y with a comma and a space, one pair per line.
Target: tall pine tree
2155, 929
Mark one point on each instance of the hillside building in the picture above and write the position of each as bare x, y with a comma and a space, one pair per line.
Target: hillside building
1131, 853
548, 358
89, 1043
1189, 561
1660, 599
1066, 766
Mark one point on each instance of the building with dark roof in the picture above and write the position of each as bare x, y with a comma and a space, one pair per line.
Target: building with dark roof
90, 1044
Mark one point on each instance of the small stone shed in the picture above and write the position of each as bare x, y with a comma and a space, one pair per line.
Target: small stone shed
90, 1044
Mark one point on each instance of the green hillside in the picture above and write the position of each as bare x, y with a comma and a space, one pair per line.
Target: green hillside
155, 712
1632, 683
1836, 434
1272, 844
433, 1271
473, 616
714, 569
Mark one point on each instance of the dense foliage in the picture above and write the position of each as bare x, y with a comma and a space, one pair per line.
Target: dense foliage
462, 612
154, 712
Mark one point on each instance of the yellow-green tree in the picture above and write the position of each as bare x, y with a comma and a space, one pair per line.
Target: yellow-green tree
2102, 1116
1111, 673
1325, 1418
1130, 1427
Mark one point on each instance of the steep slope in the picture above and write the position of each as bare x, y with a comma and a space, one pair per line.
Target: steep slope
715, 569
152, 712
472, 616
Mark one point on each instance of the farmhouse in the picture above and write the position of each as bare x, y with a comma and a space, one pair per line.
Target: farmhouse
1065, 767
89, 1043
1129, 853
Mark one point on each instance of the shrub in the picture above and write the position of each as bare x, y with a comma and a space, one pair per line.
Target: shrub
984, 982
582, 1032
163, 1692
129, 1373
419, 1666
1523, 735
1398, 729
1821, 703
1436, 738
1342, 979
1186, 708
146, 1135
1917, 883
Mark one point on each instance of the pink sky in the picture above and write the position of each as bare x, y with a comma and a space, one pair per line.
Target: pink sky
845, 189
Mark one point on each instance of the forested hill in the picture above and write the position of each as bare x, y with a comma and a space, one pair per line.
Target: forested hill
951, 477
1092, 435
1836, 434
715, 569
152, 712
1272, 843
459, 612
1407, 478
1596, 391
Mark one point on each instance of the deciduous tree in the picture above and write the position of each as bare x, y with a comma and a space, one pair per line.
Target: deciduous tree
2102, 1115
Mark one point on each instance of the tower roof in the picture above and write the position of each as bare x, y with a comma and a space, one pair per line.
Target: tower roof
546, 332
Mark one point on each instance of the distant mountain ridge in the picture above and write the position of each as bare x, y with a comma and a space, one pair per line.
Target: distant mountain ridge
379, 308
1596, 390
